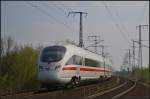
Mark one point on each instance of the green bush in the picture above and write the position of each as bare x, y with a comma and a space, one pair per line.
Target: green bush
18, 69
142, 75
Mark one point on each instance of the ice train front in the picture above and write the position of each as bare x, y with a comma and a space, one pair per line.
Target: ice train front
49, 64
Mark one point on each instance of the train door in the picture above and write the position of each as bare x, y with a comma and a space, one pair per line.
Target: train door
78, 63
78, 71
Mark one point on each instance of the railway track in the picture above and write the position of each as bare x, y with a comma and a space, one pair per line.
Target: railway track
79, 92
115, 92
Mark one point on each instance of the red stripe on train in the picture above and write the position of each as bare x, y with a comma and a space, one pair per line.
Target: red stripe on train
86, 69
91, 69
70, 68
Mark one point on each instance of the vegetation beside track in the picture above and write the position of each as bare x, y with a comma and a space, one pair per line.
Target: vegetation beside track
17, 67
78, 92
141, 75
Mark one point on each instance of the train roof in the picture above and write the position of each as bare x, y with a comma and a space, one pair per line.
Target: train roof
79, 50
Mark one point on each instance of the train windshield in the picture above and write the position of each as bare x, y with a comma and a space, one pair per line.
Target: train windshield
53, 54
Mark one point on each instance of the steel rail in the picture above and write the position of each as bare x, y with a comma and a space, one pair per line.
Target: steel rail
124, 92
101, 93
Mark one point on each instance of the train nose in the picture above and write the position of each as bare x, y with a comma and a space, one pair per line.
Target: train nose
48, 76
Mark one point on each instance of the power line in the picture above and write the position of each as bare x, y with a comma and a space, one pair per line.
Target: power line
142, 14
54, 5
62, 11
60, 8
115, 22
121, 23
64, 6
41, 10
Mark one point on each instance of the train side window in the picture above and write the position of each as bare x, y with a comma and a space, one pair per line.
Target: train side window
92, 63
105, 65
99, 64
76, 60
70, 61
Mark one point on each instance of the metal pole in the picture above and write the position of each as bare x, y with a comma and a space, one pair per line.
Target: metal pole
149, 78
129, 58
140, 46
80, 27
0, 47
95, 44
133, 58
0, 44
80, 32
96, 41
103, 58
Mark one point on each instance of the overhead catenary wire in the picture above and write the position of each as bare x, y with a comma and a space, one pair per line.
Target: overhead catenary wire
60, 8
143, 10
64, 6
65, 9
115, 22
66, 22
121, 23
51, 5
46, 13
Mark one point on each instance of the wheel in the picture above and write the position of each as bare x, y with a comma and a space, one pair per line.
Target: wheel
100, 79
74, 82
69, 85
77, 81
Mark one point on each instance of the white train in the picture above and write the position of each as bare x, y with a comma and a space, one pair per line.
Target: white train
67, 64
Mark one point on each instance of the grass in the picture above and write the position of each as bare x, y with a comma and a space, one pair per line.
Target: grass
138, 74
142, 75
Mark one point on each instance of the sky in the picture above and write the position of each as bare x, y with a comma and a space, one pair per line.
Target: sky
47, 22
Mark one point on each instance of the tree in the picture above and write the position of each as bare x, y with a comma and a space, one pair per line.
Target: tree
18, 68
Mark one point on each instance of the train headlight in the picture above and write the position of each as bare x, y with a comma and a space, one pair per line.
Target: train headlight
57, 67
40, 68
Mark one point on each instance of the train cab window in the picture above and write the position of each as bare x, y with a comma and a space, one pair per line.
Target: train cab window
92, 63
52, 54
76, 60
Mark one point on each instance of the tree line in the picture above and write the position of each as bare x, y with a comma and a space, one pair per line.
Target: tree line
18, 66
